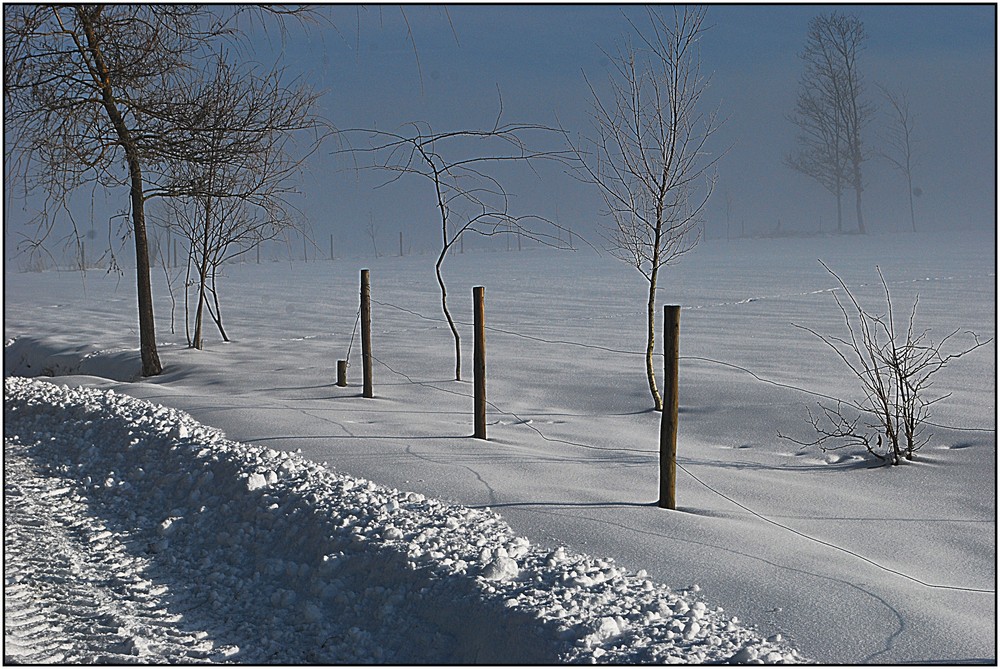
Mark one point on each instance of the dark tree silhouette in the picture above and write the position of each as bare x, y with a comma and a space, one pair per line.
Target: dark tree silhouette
831, 112
89, 99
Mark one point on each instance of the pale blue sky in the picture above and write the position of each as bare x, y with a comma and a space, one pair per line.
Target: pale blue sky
943, 56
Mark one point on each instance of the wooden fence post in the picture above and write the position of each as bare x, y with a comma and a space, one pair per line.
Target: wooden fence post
479, 362
668, 422
342, 373
366, 332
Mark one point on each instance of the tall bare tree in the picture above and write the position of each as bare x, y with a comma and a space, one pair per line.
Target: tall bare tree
76, 80
649, 156
822, 152
899, 141
831, 110
85, 91
461, 166
230, 187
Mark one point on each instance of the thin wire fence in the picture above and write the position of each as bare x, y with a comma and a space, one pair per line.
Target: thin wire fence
651, 452
729, 498
606, 349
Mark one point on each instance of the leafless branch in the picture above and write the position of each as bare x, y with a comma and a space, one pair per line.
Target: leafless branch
894, 369
648, 153
461, 167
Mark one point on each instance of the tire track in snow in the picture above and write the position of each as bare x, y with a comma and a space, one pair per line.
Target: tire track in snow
72, 594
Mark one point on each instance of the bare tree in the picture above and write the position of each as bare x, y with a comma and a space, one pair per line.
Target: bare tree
831, 111
894, 368
84, 86
822, 153
899, 141
461, 166
649, 154
229, 189
372, 229
71, 77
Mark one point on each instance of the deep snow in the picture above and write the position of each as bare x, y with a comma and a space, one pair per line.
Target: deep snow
136, 533
848, 563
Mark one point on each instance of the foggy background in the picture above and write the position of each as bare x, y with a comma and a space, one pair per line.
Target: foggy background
384, 66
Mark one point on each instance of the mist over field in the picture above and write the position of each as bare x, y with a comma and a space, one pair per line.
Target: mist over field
385, 67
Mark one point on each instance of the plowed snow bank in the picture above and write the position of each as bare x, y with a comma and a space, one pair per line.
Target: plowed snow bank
135, 532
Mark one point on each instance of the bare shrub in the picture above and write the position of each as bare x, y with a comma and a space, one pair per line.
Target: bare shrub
895, 368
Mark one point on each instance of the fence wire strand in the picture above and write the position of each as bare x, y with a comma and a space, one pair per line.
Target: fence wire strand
832, 545
527, 423
722, 363
353, 332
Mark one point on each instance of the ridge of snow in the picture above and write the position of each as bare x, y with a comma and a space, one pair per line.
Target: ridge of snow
230, 552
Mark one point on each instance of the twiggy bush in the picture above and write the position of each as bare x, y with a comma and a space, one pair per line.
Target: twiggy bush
894, 368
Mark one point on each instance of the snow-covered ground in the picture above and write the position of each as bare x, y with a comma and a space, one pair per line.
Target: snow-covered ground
133, 530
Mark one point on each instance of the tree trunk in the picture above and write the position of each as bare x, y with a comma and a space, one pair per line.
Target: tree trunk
447, 314
858, 186
217, 314
187, 296
147, 330
857, 204
654, 270
200, 310
203, 277
840, 213
651, 340
909, 186
445, 245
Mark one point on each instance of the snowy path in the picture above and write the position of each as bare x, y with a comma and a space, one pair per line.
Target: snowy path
74, 593
134, 533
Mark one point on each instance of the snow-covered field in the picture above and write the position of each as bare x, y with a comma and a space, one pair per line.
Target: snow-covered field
134, 531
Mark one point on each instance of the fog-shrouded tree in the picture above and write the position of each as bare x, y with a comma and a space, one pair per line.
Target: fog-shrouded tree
831, 111
464, 170
88, 102
821, 153
899, 141
235, 171
648, 154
